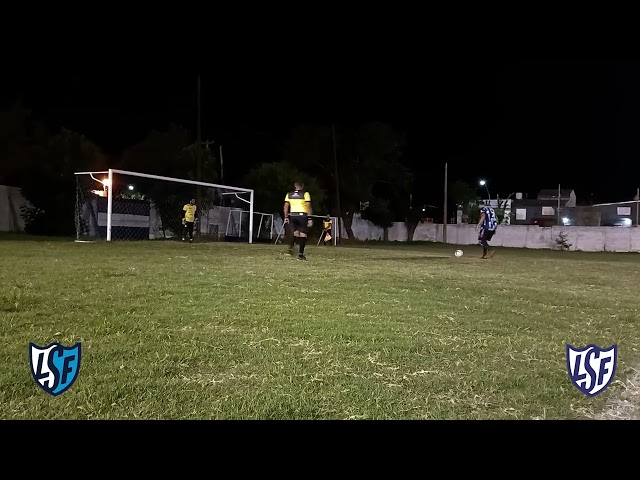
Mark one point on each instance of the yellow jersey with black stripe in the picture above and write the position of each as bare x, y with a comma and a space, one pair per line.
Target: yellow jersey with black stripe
189, 212
298, 201
327, 224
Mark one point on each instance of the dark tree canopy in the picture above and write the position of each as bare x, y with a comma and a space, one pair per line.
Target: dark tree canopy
272, 181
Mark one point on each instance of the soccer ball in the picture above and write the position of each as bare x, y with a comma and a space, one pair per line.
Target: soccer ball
458, 253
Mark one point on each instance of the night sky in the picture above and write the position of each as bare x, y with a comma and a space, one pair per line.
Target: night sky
522, 124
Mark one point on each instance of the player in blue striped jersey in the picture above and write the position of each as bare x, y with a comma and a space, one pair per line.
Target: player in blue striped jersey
487, 225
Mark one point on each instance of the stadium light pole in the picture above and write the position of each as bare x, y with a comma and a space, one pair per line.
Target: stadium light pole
484, 184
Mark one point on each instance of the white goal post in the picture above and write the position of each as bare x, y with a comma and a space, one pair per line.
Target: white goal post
133, 198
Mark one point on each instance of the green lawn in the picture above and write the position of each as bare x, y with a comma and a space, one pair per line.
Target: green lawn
233, 331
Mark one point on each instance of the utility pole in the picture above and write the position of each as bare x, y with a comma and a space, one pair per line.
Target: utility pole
199, 152
558, 209
221, 165
206, 144
446, 214
199, 137
637, 205
335, 169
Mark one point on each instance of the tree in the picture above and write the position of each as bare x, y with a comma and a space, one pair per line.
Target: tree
380, 213
49, 183
271, 182
160, 153
173, 154
18, 134
375, 174
500, 211
474, 213
368, 157
310, 148
370, 171
463, 196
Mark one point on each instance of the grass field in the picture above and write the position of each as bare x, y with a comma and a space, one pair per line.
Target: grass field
231, 331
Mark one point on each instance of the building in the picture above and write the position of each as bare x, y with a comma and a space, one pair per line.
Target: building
534, 212
581, 216
542, 211
618, 214
497, 204
567, 196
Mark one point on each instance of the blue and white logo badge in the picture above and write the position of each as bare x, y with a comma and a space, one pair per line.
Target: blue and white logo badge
592, 368
55, 367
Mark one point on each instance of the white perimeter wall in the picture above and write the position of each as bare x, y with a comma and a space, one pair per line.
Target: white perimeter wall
589, 239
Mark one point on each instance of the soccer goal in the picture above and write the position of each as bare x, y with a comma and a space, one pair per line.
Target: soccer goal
122, 205
315, 233
238, 221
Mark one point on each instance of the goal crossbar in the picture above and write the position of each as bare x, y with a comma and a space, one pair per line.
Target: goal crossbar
113, 171
169, 179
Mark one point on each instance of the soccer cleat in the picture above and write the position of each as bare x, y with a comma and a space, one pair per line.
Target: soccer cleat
191, 240
484, 257
301, 257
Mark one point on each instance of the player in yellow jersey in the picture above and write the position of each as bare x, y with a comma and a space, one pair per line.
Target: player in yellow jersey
188, 219
297, 208
326, 230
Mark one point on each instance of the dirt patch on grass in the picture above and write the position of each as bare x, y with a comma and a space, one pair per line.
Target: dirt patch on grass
625, 406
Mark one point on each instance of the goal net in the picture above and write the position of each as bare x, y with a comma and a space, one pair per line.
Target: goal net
122, 205
264, 228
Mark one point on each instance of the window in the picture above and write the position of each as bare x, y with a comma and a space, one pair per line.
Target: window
548, 211
521, 213
624, 210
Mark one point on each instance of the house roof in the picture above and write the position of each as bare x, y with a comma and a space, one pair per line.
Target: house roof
627, 202
553, 193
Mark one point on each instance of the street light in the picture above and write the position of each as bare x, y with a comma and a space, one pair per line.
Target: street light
484, 184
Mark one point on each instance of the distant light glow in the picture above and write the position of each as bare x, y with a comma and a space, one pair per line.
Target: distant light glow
483, 183
626, 222
105, 182
566, 221
130, 187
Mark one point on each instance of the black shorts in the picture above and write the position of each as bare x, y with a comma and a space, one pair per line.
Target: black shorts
486, 235
299, 223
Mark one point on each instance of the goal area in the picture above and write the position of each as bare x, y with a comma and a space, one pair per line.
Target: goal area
124, 205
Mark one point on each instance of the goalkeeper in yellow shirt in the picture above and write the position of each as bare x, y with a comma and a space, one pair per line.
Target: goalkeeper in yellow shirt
188, 219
